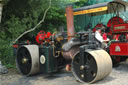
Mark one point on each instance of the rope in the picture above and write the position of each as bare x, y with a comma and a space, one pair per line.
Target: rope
44, 16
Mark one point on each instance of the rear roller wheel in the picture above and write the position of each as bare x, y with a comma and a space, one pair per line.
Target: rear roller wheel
27, 59
97, 65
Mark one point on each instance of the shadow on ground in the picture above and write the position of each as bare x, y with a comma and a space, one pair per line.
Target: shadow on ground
62, 78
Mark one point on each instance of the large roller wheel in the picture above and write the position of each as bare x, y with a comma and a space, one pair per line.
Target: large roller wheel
97, 65
27, 59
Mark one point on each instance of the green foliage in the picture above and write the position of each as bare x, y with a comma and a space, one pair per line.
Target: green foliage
10, 65
21, 15
6, 52
54, 19
5, 1
80, 3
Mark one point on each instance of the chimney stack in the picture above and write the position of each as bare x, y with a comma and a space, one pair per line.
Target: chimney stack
70, 22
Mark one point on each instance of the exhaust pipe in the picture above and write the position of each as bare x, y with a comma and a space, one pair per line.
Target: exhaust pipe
70, 22
67, 54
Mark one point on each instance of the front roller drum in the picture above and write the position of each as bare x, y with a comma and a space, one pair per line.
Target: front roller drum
97, 65
27, 59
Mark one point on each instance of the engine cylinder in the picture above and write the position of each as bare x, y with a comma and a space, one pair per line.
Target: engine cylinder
69, 54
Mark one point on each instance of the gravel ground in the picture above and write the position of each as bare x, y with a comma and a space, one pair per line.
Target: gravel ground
118, 76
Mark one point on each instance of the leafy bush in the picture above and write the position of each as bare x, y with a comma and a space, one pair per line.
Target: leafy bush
21, 15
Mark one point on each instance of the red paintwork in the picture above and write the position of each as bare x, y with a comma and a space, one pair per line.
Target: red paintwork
114, 21
116, 37
42, 36
118, 28
123, 49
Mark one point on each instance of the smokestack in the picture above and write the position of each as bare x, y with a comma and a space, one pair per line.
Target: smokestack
70, 22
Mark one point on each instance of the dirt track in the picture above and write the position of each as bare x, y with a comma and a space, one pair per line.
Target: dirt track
119, 76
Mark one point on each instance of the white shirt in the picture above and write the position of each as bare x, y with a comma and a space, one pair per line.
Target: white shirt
98, 36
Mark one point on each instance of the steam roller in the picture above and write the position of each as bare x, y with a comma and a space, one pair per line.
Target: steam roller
27, 59
52, 52
91, 65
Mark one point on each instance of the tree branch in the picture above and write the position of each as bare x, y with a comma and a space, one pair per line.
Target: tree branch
44, 16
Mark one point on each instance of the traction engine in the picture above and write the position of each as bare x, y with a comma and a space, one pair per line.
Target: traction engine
116, 30
54, 50
119, 45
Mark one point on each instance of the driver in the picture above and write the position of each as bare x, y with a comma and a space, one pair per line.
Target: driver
98, 36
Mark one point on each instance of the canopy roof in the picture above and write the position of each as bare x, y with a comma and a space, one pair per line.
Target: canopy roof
115, 6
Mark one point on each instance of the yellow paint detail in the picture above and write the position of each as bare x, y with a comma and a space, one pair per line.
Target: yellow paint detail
90, 11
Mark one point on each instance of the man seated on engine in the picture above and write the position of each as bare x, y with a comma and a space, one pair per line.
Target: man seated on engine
98, 36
